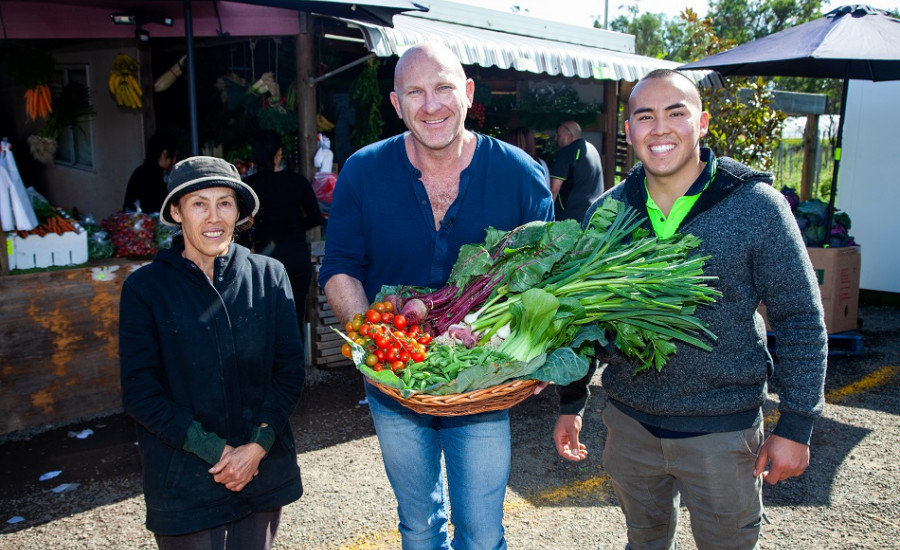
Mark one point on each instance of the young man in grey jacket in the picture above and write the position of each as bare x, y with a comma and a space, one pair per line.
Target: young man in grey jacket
693, 432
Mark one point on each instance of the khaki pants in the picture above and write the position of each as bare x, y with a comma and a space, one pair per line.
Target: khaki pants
712, 474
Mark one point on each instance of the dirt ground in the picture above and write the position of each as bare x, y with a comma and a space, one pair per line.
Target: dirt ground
848, 499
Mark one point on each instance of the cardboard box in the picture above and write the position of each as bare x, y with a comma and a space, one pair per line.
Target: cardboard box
837, 270
33, 251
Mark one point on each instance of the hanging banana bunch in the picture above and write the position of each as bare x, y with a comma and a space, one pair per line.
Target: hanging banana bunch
323, 124
123, 85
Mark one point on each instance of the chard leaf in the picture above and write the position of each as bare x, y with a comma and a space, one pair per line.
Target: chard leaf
473, 261
537, 261
527, 235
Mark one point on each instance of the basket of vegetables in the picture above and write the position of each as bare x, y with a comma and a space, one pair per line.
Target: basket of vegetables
530, 305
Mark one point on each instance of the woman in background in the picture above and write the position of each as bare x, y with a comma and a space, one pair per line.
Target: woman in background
288, 208
523, 138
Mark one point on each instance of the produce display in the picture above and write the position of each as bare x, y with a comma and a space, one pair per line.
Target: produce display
122, 84
811, 218
532, 303
35, 70
50, 219
133, 234
38, 103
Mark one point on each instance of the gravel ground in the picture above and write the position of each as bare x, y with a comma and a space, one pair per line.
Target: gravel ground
848, 499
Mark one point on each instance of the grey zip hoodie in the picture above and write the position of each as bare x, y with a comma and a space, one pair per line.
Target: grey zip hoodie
757, 253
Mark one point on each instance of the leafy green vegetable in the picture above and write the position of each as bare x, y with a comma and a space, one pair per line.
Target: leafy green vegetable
626, 281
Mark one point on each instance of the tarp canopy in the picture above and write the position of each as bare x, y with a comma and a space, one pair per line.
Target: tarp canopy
850, 42
490, 48
90, 19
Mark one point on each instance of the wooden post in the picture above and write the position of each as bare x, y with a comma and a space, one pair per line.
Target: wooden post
610, 129
148, 115
306, 96
4, 258
810, 143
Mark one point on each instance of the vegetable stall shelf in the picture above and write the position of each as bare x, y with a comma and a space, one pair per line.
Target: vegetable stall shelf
59, 344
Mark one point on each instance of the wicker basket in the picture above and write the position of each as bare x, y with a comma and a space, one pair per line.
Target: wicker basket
495, 398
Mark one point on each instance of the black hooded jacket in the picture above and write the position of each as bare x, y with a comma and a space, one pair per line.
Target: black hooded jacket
226, 353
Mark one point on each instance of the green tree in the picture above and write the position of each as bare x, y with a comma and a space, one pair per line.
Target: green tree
366, 96
742, 126
648, 30
655, 35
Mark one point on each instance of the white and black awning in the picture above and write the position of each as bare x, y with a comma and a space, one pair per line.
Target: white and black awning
490, 48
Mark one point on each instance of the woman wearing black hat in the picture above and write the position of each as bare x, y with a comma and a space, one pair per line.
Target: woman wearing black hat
212, 366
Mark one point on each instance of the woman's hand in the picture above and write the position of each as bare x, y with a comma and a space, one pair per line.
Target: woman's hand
238, 466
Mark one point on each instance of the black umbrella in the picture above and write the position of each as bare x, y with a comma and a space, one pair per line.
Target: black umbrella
851, 42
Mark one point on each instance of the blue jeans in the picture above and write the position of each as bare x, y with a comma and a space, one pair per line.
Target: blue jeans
477, 455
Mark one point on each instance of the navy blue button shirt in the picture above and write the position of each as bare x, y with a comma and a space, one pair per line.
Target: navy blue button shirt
381, 228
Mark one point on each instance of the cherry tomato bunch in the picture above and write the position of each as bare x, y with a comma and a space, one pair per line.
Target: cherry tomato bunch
390, 341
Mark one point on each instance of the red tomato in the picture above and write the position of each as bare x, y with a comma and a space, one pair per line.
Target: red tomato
418, 357
386, 317
424, 339
391, 355
403, 356
379, 353
373, 316
400, 321
378, 367
397, 366
382, 342
364, 329
414, 330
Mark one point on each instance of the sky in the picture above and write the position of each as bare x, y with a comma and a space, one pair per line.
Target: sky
585, 12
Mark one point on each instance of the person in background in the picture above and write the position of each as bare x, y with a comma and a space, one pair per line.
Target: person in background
523, 138
212, 366
576, 176
147, 185
288, 209
402, 209
693, 432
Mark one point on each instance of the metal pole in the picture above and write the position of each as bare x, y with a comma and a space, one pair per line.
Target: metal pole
829, 214
191, 78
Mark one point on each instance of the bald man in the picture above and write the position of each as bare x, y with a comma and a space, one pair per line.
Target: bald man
576, 178
402, 209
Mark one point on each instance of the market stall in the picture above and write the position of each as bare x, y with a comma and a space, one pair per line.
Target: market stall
59, 345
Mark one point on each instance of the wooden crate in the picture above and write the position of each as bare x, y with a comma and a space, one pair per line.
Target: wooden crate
325, 344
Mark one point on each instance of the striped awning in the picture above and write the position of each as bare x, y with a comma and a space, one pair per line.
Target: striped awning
490, 48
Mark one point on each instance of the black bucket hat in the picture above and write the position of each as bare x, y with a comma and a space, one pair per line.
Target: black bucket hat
195, 173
